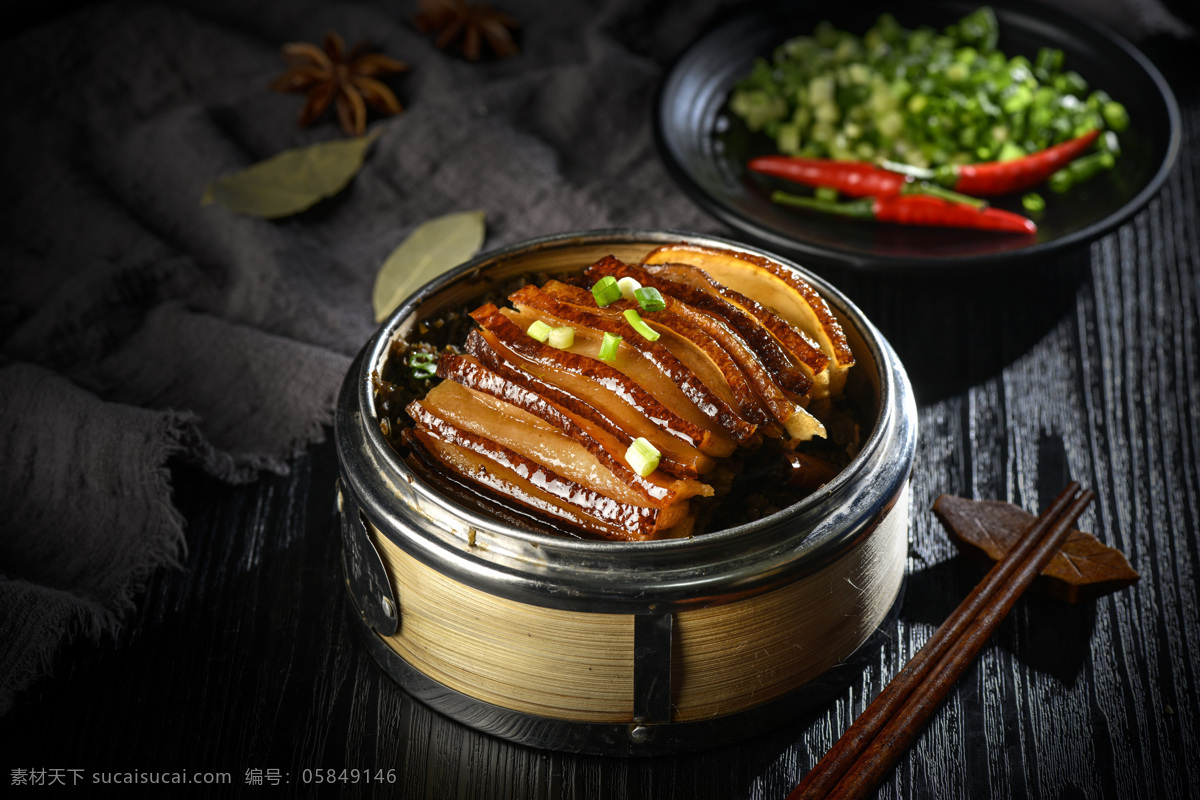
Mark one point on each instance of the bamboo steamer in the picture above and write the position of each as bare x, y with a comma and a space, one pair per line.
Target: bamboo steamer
625, 648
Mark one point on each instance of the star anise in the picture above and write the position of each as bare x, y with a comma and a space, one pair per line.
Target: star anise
330, 75
474, 23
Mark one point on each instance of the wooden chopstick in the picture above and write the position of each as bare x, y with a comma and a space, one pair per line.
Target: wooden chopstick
883, 731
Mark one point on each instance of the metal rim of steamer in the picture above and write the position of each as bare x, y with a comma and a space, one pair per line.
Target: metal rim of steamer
651, 580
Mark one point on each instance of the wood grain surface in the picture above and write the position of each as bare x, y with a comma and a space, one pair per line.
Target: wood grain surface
1086, 366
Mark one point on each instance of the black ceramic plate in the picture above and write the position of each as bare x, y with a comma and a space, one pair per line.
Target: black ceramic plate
705, 147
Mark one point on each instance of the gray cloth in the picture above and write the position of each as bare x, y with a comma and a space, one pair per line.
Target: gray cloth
137, 325
86, 507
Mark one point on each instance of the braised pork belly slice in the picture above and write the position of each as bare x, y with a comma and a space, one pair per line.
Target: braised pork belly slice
588, 343
650, 364
692, 346
530, 437
693, 337
483, 402
481, 461
595, 391
794, 374
779, 290
605, 418
475, 496
795, 341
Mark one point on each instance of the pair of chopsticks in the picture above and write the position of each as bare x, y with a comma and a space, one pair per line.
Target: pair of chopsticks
862, 757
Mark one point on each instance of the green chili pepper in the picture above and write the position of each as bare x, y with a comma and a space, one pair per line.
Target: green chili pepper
423, 365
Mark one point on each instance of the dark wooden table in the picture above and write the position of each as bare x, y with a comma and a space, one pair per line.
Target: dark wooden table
243, 662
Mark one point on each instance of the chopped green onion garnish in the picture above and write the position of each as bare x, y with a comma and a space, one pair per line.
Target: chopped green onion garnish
1116, 116
539, 330
636, 323
424, 365
929, 98
1085, 167
562, 337
628, 287
1010, 150
1033, 202
650, 299
606, 291
608, 347
642, 457
1060, 181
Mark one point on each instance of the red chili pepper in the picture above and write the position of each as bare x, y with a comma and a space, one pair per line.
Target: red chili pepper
1004, 177
988, 179
851, 178
917, 209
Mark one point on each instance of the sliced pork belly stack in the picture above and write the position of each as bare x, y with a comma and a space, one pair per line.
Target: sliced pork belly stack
507, 440
487, 403
692, 347
560, 433
479, 498
597, 392
777, 291
714, 352
795, 368
495, 468
651, 364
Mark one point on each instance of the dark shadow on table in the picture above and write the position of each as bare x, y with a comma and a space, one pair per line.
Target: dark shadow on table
1044, 634
1048, 635
956, 329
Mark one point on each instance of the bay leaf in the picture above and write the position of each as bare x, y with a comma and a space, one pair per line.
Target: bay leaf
1084, 568
433, 248
291, 181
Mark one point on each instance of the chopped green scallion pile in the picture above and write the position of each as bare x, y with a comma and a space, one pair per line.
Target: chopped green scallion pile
918, 97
